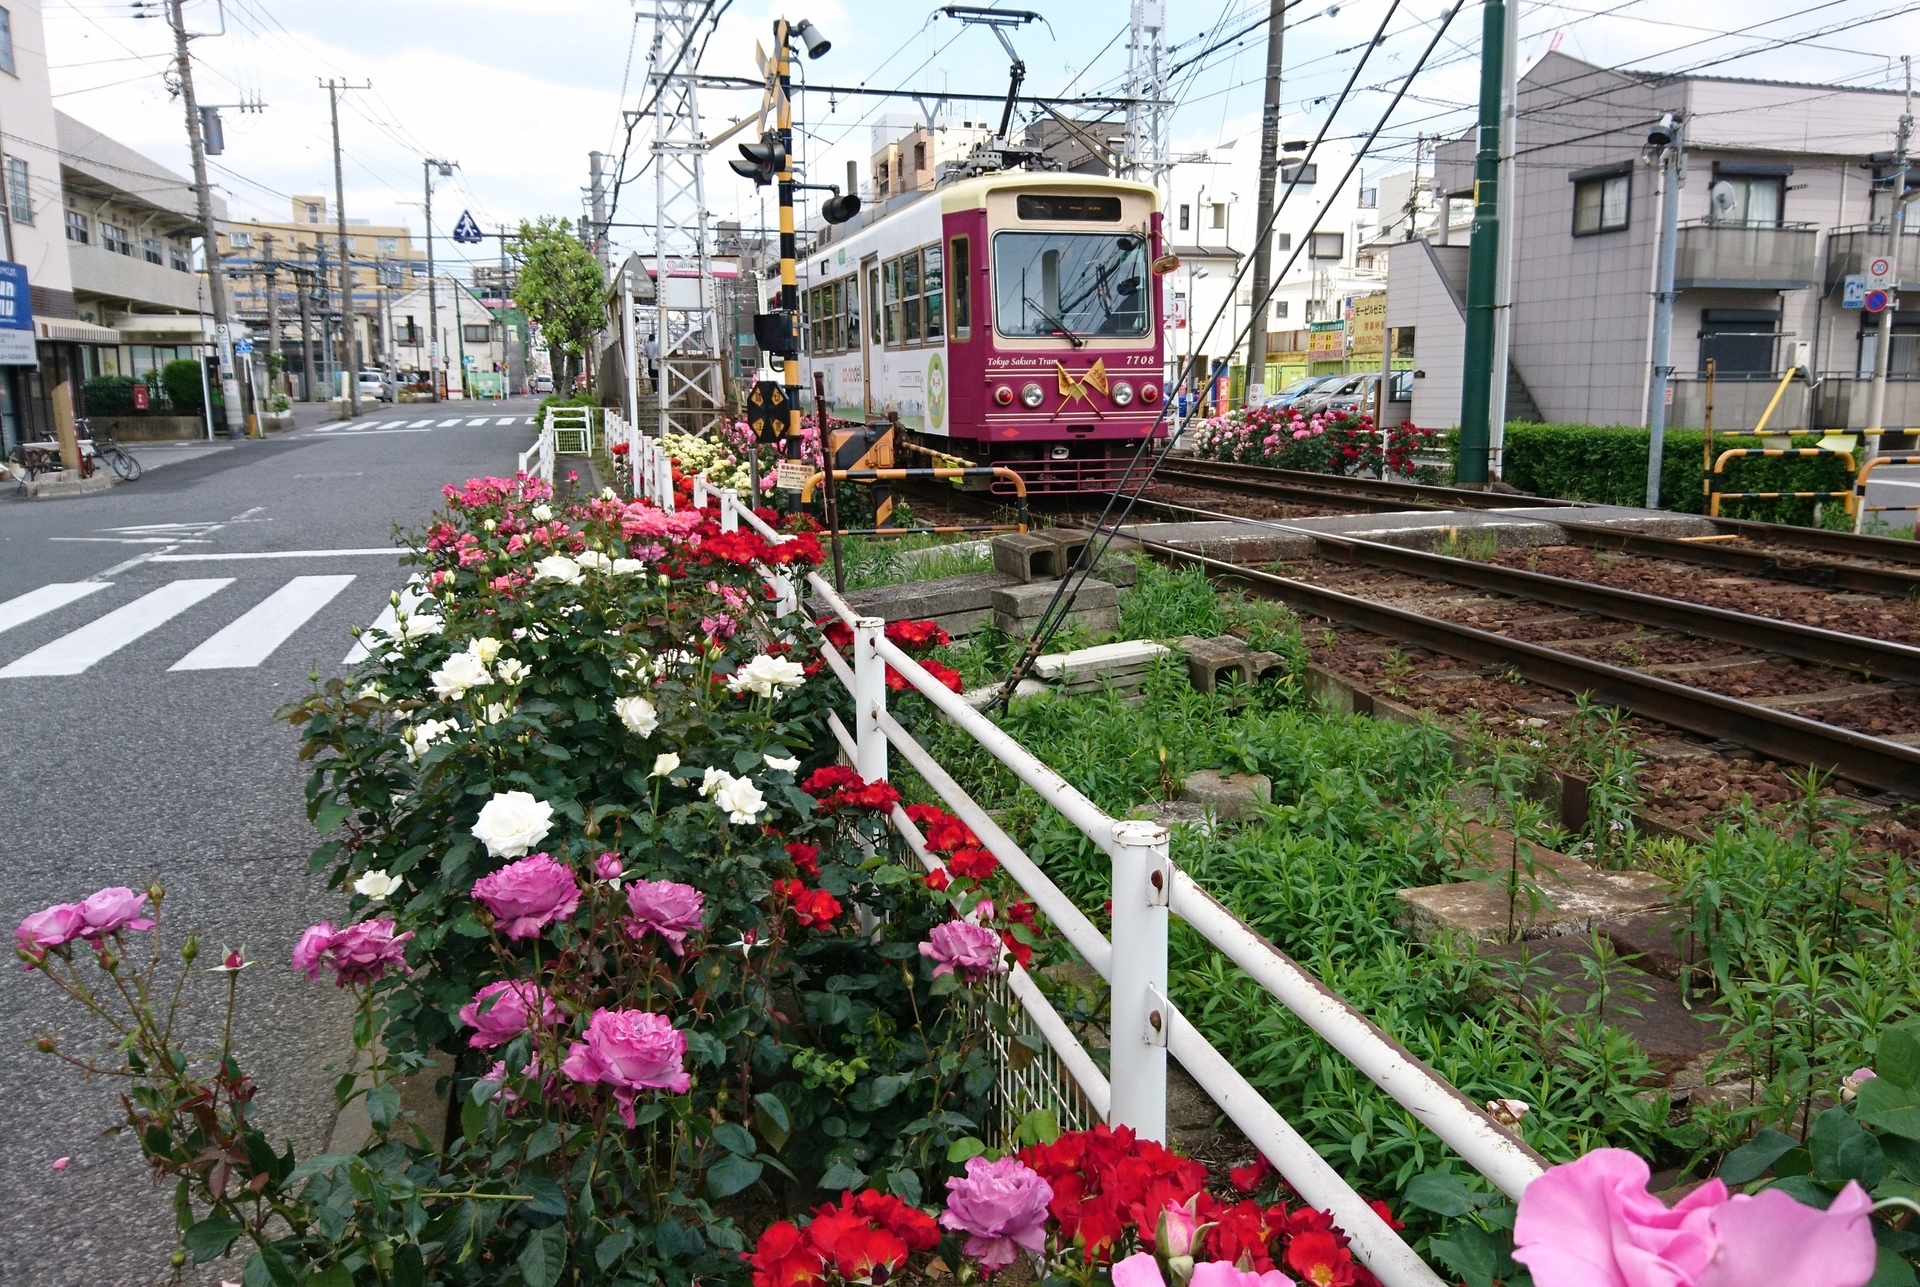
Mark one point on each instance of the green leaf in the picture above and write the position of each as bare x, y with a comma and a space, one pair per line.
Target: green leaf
1806, 1190
1890, 1106
1038, 1127
332, 1276
1843, 1151
1891, 1269
1471, 1252
734, 1138
209, 1239
963, 1148
771, 1120
733, 1173
1751, 1160
543, 1141
473, 1119
1904, 1155
705, 1048
409, 1269
904, 1185
1898, 1060
843, 1175
544, 1258
383, 1104
1443, 1194
547, 1197
331, 815
611, 1248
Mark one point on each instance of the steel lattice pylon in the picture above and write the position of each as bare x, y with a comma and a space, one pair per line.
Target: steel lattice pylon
1149, 117
688, 382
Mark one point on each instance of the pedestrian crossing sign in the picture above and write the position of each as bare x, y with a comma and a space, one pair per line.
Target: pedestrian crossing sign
467, 232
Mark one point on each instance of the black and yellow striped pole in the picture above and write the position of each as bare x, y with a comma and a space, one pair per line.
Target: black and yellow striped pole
789, 271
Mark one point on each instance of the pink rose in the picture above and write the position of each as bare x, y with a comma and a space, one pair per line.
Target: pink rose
502, 1011
528, 895
51, 927
669, 909
629, 1050
1592, 1223
1178, 1229
1220, 1273
607, 867
114, 909
974, 950
309, 952
358, 954
1138, 1270
1000, 1206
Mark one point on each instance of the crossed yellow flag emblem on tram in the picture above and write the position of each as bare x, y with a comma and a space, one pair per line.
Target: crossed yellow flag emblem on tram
1094, 377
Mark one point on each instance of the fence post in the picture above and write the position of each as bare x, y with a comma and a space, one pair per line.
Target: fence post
665, 480
699, 491
729, 515
1141, 881
869, 699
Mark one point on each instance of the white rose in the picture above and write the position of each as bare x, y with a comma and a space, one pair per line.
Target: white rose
664, 763
767, 676
420, 625
491, 524
376, 884
512, 823
461, 671
712, 779
486, 648
607, 493
637, 714
627, 567
595, 560
493, 714
373, 692
542, 513
785, 766
557, 567
420, 737
741, 799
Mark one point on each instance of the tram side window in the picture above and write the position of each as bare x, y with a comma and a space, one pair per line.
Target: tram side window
890, 287
960, 257
910, 298
915, 294
806, 322
850, 293
933, 285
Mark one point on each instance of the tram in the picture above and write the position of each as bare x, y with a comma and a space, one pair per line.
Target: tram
1009, 319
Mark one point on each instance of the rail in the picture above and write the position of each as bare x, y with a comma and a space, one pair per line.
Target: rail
1860, 506
1147, 888
915, 475
537, 460
1715, 495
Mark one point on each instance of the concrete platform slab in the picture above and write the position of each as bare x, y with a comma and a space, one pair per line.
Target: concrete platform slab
1424, 529
1653, 522
1227, 541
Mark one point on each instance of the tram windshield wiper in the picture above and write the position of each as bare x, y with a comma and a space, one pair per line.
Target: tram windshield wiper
1059, 324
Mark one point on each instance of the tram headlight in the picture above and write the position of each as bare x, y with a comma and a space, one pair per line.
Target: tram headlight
1149, 393
1032, 395
1122, 394
1060, 452
1003, 396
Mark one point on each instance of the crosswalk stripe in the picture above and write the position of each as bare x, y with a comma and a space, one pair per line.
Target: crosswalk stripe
74, 652
38, 603
506, 420
481, 421
251, 637
387, 623
418, 424
448, 424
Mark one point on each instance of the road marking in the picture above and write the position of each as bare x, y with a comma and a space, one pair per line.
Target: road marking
387, 623
74, 652
389, 551
507, 420
371, 433
481, 421
448, 424
38, 603
418, 424
252, 636
133, 540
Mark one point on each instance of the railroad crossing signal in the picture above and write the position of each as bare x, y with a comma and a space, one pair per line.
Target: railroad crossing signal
467, 232
763, 161
767, 410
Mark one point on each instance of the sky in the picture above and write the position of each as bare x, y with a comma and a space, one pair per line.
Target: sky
518, 94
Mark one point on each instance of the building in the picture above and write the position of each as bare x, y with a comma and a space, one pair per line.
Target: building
1783, 196
908, 152
472, 336
494, 282
300, 257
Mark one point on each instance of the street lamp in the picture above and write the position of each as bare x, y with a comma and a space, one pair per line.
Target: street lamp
427, 166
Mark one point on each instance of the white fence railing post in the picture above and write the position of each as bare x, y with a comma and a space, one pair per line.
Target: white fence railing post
729, 513
699, 491
870, 700
666, 479
1142, 880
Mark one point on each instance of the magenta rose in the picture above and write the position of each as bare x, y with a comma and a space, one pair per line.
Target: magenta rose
310, 952
1001, 1206
61, 923
1219, 1273
666, 907
607, 866
973, 950
629, 1051
528, 895
112, 910
502, 1011
361, 953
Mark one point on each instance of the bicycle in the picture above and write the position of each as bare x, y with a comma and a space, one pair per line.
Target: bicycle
118, 459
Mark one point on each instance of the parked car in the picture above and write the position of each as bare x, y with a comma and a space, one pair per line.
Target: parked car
1343, 390
1364, 396
1290, 396
543, 384
373, 384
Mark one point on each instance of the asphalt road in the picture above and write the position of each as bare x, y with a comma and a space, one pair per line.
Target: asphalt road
157, 755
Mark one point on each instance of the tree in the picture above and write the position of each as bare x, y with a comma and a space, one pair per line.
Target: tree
561, 290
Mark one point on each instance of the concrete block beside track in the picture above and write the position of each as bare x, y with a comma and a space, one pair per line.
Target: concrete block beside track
1226, 541
959, 604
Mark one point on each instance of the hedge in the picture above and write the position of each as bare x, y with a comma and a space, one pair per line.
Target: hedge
1608, 464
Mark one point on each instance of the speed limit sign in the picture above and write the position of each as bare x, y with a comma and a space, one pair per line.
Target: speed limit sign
1879, 273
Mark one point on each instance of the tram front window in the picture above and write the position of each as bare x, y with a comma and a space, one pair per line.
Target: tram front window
1071, 284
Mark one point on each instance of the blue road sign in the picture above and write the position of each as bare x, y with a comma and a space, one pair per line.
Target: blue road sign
467, 232
1854, 293
1876, 301
243, 346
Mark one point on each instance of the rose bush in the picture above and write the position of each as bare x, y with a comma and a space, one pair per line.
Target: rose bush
1323, 443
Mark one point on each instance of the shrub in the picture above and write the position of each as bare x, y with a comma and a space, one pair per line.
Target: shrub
181, 379
1323, 443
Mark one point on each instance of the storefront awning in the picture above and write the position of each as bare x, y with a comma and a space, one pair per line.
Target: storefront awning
66, 328
175, 328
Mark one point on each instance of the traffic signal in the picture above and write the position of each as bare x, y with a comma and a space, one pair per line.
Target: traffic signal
839, 209
773, 333
763, 160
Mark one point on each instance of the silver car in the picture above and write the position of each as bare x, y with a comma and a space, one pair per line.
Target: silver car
373, 384
1341, 393
1290, 397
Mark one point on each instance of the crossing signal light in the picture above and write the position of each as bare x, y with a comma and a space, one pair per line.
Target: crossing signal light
839, 209
763, 161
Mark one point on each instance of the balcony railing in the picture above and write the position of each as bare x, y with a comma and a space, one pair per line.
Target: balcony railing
1743, 256
1849, 249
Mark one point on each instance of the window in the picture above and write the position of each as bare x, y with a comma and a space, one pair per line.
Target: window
19, 193
77, 227
150, 250
240, 240
1327, 245
1752, 200
1903, 354
313, 212
1600, 204
177, 255
960, 258
1300, 174
409, 333
6, 43
1369, 198
919, 157
1283, 241
1186, 218
910, 301
1079, 283
1740, 341
1219, 214
114, 239
1279, 310
476, 332
387, 244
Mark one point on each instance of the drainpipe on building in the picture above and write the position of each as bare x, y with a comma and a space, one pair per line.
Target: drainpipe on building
1668, 137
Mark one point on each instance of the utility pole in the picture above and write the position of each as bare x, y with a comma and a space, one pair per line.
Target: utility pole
349, 341
1483, 257
1669, 137
1896, 216
272, 270
427, 167
596, 174
209, 242
460, 337
1262, 231
1503, 279
303, 288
